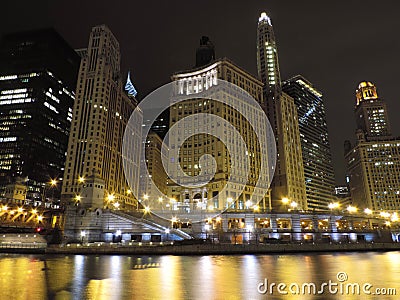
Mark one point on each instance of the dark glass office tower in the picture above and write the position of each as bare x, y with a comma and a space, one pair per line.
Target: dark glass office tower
317, 158
38, 72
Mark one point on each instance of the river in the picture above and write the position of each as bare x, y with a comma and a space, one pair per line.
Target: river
200, 277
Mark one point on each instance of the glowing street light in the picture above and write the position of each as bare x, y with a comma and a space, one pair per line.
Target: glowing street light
351, 209
385, 214
147, 209
78, 198
394, 217
81, 179
160, 199
256, 208
110, 197
53, 182
211, 207
34, 211
293, 205
145, 197
368, 211
333, 205
285, 201
40, 218
116, 205
129, 192
20, 210
248, 204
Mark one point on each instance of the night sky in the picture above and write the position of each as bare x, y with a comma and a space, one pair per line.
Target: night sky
334, 44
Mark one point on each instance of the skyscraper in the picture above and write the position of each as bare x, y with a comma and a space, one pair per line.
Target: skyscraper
374, 162
223, 190
156, 152
38, 72
288, 180
371, 112
101, 112
317, 158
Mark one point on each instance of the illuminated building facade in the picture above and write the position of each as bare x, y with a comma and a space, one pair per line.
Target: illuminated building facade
371, 112
101, 112
197, 145
288, 181
156, 151
317, 159
38, 72
374, 162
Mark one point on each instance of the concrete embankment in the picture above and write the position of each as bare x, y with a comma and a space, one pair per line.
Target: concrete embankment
223, 249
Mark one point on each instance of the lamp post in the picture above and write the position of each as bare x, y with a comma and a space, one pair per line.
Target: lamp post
81, 179
368, 212
83, 234
207, 228
293, 205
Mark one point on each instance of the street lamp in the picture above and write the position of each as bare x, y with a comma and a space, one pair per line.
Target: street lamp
172, 200
333, 205
368, 211
146, 209
207, 228
83, 234
352, 209
248, 204
81, 179
394, 217
285, 202
78, 198
293, 205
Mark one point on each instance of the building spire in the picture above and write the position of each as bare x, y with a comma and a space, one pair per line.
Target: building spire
129, 88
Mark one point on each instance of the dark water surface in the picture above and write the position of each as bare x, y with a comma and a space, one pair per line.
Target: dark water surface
194, 277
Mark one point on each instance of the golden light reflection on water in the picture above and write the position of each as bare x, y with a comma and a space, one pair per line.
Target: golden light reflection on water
185, 277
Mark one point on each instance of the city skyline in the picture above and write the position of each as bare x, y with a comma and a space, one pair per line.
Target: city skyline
349, 44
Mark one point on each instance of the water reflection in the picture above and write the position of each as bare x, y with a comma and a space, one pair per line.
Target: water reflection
186, 277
